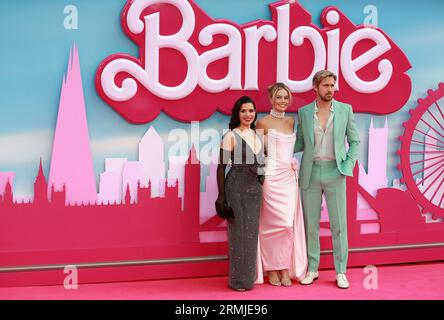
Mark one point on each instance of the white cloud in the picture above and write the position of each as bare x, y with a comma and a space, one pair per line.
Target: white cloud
108, 147
25, 147
22, 147
28, 147
121, 145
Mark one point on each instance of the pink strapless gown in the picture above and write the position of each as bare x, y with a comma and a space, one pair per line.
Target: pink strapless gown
281, 243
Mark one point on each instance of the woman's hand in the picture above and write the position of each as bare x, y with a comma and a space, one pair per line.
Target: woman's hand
222, 209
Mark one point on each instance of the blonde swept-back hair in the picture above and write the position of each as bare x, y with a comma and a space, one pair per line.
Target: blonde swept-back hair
321, 75
276, 87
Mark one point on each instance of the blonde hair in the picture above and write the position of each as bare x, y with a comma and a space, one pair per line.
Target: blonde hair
274, 88
321, 75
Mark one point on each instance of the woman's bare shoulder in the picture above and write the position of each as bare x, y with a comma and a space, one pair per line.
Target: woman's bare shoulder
228, 141
263, 122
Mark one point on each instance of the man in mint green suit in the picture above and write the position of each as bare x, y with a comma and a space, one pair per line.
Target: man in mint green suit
323, 126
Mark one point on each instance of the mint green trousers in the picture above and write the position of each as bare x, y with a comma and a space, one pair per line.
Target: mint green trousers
326, 179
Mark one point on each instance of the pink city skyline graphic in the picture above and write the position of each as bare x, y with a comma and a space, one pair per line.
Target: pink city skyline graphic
151, 208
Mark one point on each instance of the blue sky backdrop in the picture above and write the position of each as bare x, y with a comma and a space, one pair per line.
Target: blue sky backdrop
34, 56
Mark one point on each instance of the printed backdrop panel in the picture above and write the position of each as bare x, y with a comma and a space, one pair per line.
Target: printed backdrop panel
112, 115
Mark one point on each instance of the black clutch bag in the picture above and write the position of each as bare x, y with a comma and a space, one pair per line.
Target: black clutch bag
224, 210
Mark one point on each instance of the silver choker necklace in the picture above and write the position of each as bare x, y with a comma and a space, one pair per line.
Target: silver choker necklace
277, 114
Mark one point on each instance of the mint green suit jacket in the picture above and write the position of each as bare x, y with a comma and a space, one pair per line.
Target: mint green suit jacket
344, 126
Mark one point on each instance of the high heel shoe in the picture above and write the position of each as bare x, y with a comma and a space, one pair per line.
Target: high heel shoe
276, 283
286, 282
273, 278
285, 278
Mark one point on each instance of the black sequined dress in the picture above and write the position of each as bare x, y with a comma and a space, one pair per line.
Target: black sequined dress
243, 190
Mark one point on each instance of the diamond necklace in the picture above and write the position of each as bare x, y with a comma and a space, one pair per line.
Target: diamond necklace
277, 114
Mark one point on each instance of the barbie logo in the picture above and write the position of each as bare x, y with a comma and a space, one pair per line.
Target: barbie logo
191, 65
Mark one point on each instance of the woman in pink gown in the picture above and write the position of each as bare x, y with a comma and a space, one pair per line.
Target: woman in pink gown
282, 250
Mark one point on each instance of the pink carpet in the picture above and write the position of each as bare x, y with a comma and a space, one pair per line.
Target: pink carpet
421, 281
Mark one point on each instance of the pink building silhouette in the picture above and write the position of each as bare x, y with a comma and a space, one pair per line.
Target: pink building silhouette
151, 158
49, 225
207, 207
4, 178
176, 172
71, 161
111, 188
192, 203
376, 176
209, 196
133, 176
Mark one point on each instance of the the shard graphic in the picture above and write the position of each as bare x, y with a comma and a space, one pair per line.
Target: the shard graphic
71, 162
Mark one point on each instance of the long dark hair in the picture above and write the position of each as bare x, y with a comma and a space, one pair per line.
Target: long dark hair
235, 120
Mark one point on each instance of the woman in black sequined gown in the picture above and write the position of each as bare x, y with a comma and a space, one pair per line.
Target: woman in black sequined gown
241, 190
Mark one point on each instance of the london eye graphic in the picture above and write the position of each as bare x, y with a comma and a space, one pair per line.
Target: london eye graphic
422, 153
